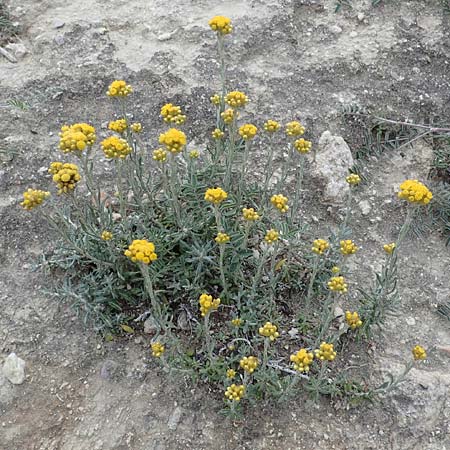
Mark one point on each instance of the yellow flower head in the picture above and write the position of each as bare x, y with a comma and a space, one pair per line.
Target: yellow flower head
222, 238
326, 352
119, 88
353, 320
419, 353
269, 330
160, 155
215, 99
231, 373
250, 214
319, 246
194, 154
271, 236
237, 322
302, 145
215, 195
115, 147
415, 192
65, 176
335, 269
141, 250
353, 179
172, 114
228, 115
106, 235
236, 99
348, 247
337, 284
217, 134
271, 126
249, 363
280, 202
72, 141
302, 360
136, 127
119, 125
33, 198
295, 128
173, 139
389, 248
221, 24
235, 392
208, 304
248, 131
157, 349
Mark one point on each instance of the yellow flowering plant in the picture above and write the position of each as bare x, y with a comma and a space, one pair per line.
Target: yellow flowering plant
196, 247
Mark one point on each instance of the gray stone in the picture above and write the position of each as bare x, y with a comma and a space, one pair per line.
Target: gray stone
19, 50
59, 40
109, 369
14, 369
174, 418
336, 29
58, 23
330, 168
365, 207
150, 326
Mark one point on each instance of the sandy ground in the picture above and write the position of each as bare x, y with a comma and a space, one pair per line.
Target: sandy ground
296, 59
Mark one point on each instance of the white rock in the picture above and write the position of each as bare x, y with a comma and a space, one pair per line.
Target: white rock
361, 16
150, 326
411, 321
333, 160
19, 50
58, 23
14, 369
336, 29
365, 207
174, 418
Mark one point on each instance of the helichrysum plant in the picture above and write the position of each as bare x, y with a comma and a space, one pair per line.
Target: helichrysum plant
220, 262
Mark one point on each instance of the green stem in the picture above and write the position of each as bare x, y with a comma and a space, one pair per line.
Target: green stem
286, 165
220, 43
120, 190
257, 277
157, 312
266, 351
327, 319
269, 168
221, 267
298, 188
246, 233
244, 166
209, 343
311, 281
173, 188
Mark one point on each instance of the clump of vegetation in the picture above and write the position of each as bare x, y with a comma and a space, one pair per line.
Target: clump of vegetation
7, 27
236, 289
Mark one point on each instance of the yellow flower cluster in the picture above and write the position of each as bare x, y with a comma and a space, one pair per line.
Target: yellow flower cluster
294, 128
353, 320
237, 322
326, 352
353, 179
248, 131
249, 363
115, 147
119, 125
269, 330
302, 145
221, 24
65, 175
280, 202
215, 99
335, 269
33, 198
208, 304
106, 235
337, 284
348, 247
419, 353
194, 154
228, 115
215, 195
231, 373
302, 360
222, 238
389, 248
173, 139
235, 392
319, 246
141, 250
157, 349
271, 126
415, 192
172, 114
271, 236
236, 99
136, 127
76, 137
119, 88
217, 134
159, 155
250, 214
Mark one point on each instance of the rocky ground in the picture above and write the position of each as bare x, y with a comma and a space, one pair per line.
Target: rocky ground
295, 59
